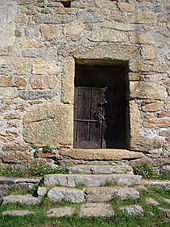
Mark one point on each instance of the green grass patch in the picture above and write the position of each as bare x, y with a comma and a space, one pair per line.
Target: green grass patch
39, 170
118, 220
148, 172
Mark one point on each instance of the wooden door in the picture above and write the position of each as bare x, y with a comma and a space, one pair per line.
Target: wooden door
87, 123
99, 118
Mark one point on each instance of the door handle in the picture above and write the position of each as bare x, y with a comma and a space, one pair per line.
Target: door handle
100, 117
102, 103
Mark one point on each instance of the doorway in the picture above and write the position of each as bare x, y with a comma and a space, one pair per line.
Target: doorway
100, 119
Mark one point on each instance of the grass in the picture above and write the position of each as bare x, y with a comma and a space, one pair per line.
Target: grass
148, 172
118, 220
39, 170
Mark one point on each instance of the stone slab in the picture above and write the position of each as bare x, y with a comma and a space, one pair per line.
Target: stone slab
101, 169
105, 194
15, 180
160, 183
50, 124
96, 210
165, 211
21, 199
109, 52
147, 90
67, 84
59, 194
17, 212
42, 191
151, 201
166, 200
134, 210
60, 212
107, 35
8, 11
100, 154
71, 180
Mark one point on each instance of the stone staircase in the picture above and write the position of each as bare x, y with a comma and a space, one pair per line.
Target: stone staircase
91, 186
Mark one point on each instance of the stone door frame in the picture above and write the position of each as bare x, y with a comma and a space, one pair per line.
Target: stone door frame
67, 93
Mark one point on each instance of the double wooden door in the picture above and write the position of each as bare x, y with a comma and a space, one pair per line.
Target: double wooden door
99, 117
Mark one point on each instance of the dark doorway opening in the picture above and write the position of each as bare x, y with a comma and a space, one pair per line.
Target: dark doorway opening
100, 107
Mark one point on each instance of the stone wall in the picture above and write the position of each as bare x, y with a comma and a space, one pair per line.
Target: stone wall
40, 41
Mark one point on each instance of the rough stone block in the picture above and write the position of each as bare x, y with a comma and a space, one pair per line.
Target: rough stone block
96, 210
42, 191
71, 180
165, 211
147, 90
51, 32
17, 212
43, 82
59, 194
60, 212
118, 26
4, 81
23, 2
50, 124
101, 169
107, 35
18, 82
15, 157
21, 66
134, 119
134, 76
142, 18
156, 123
148, 52
67, 84
151, 201
15, 147
54, 19
115, 15
126, 7
45, 67
100, 154
148, 66
37, 95
105, 194
142, 38
152, 106
105, 4
109, 52
8, 92
88, 17
134, 210
21, 199
145, 144
29, 43
164, 114
7, 32
73, 29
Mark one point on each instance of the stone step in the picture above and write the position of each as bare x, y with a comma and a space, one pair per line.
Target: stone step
105, 194
97, 156
159, 183
96, 210
21, 199
101, 169
75, 180
59, 194
19, 180
95, 194
17, 212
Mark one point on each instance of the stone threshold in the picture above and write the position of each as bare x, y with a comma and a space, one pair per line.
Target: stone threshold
101, 154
